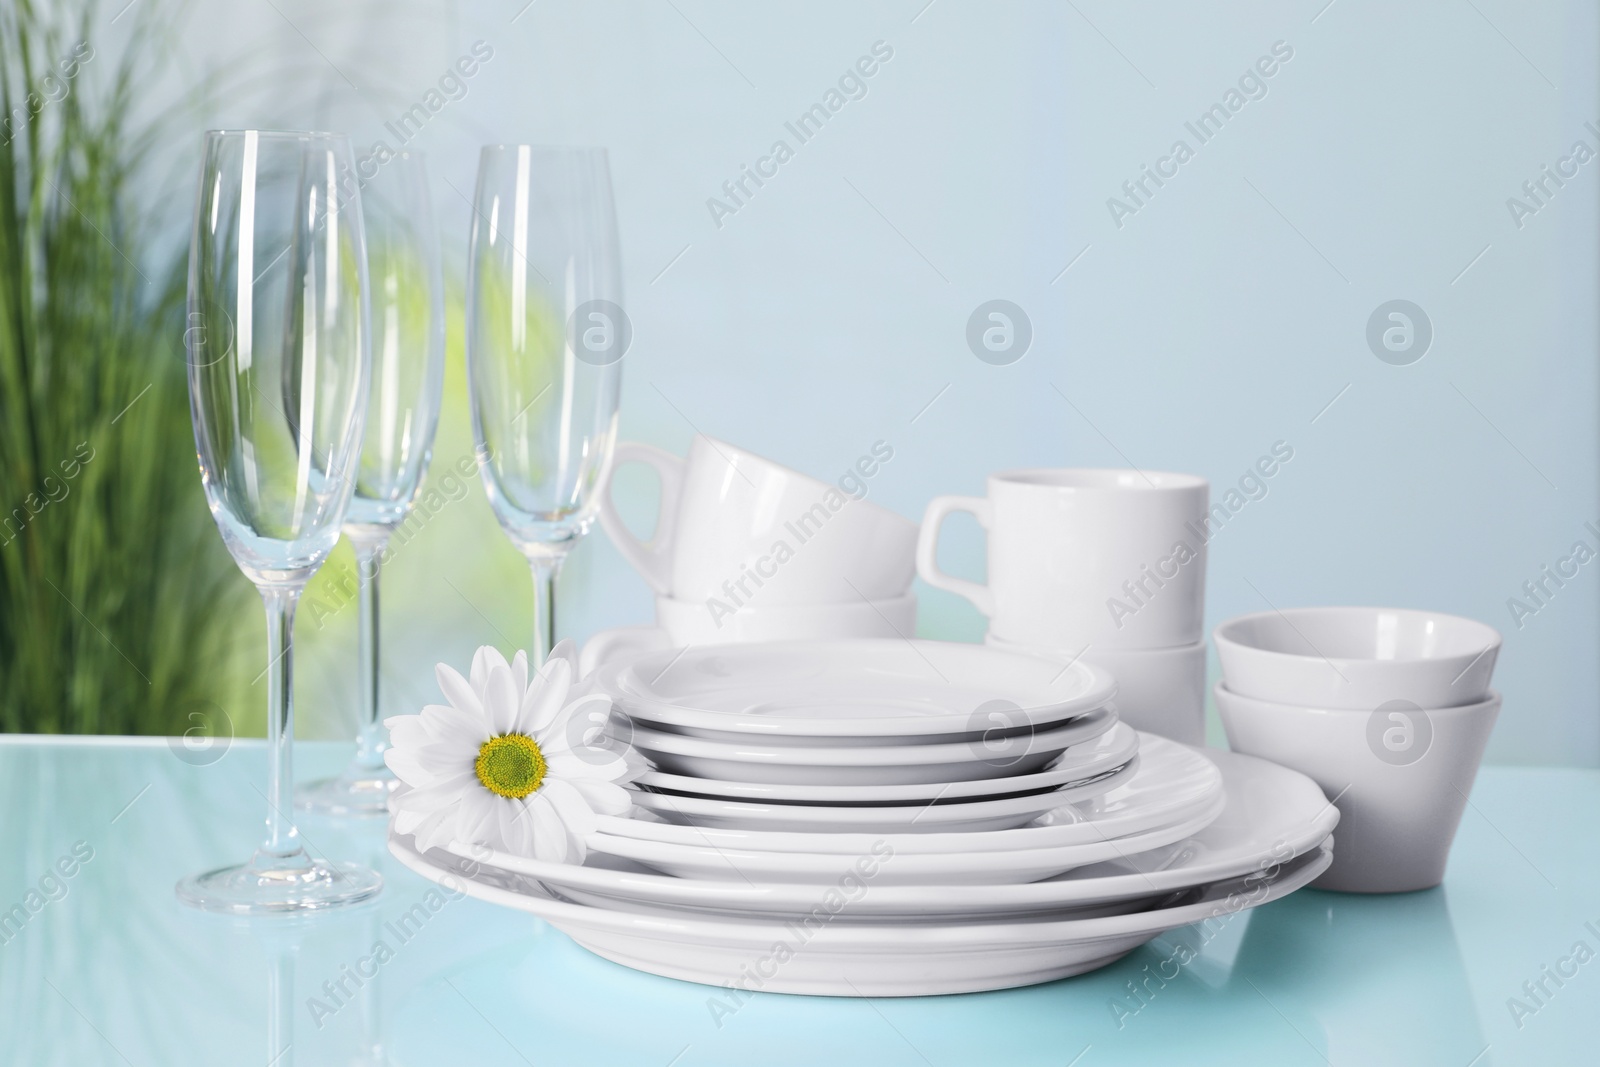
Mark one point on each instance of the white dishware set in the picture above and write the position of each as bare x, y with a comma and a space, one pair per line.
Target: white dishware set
889, 817
1389, 710
834, 807
1103, 566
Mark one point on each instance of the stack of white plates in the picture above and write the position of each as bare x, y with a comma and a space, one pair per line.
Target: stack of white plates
860, 718
862, 935
889, 818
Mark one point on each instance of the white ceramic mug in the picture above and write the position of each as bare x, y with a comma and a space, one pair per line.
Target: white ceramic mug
739, 529
1112, 559
1159, 690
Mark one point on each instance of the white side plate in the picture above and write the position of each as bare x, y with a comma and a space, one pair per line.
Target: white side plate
863, 688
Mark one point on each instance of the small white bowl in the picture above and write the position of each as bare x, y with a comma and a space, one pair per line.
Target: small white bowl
1400, 776
1357, 658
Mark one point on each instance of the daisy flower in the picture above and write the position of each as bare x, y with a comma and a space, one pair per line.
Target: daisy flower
508, 762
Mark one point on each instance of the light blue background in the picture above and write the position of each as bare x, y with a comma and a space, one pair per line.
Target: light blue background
1224, 316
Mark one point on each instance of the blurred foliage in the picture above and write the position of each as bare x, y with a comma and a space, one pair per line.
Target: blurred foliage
116, 595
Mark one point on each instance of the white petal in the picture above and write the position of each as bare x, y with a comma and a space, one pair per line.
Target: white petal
571, 806
407, 730
438, 794
491, 658
591, 764
479, 674
604, 798
550, 839
406, 822
439, 761
402, 722
565, 649
500, 700
476, 819
457, 690
407, 767
456, 730
436, 830
516, 829
519, 672
546, 695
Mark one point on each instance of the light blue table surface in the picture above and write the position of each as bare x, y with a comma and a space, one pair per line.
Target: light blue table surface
110, 969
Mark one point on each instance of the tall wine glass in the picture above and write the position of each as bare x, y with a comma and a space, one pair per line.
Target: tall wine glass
278, 370
407, 297
545, 338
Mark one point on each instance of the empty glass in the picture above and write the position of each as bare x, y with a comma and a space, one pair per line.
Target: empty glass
545, 338
407, 298
277, 338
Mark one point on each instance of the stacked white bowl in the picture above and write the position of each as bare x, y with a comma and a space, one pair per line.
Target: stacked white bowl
1106, 567
1387, 709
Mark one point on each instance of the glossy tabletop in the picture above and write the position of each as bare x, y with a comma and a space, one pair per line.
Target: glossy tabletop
101, 965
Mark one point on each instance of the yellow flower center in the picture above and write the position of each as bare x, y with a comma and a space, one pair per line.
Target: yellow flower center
510, 765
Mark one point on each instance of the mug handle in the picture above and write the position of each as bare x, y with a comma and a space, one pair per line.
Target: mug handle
654, 559
928, 548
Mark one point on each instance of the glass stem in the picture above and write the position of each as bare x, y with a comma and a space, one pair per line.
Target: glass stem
371, 739
545, 568
283, 840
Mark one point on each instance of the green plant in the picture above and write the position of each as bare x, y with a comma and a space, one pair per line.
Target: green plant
116, 596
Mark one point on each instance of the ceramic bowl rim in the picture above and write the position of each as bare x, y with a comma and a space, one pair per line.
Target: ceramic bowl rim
1222, 637
1493, 697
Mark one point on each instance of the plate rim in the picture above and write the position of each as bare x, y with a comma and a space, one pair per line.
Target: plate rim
1101, 689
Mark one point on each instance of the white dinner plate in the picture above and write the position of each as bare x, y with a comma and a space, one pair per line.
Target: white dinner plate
747, 818
757, 760
871, 690
1271, 814
1171, 782
914, 868
1080, 762
872, 959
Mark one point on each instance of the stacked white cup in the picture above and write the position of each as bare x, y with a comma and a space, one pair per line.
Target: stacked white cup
746, 549
1104, 565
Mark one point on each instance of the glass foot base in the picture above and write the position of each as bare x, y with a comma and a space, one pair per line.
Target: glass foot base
356, 792
258, 888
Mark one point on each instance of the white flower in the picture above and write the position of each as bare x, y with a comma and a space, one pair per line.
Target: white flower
508, 762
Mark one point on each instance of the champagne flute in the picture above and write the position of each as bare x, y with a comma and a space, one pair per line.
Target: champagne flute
278, 370
545, 339
407, 298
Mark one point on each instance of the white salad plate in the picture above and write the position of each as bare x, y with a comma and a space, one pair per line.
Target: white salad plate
1170, 782
757, 760
823, 957
863, 691
832, 821
1271, 815
1079, 763
988, 867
